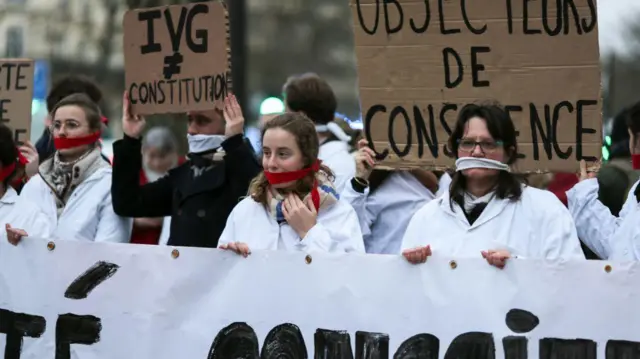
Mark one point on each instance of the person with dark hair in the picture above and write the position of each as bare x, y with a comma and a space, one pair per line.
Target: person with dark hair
73, 186
18, 216
609, 236
293, 204
66, 86
312, 96
385, 201
200, 193
488, 210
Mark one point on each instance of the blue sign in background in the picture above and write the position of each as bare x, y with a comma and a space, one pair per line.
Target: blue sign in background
40, 79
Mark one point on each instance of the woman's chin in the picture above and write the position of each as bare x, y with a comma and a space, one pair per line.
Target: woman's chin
285, 185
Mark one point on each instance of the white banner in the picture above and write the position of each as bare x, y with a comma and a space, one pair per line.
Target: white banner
114, 301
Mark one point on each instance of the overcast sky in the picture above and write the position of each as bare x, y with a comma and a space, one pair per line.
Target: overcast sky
614, 16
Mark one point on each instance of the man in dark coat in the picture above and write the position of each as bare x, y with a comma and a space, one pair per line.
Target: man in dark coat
199, 194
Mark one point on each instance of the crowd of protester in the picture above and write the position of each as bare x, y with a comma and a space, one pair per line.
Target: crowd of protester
313, 186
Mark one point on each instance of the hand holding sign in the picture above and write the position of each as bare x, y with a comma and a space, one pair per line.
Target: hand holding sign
14, 235
31, 154
233, 117
365, 160
132, 125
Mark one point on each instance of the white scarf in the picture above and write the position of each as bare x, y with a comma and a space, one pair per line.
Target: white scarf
204, 143
465, 163
335, 129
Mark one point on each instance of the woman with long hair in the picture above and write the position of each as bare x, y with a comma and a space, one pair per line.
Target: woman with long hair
293, 204
73, 187
489, 211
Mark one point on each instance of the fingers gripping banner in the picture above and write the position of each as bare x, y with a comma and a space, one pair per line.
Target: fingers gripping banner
89, 300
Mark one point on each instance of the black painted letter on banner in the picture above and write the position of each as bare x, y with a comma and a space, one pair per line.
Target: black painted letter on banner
237, 340
16, 326
284, 342
75, 329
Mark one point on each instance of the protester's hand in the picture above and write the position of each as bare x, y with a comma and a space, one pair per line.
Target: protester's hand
31, 154
132, 124
300, 216
417, 255
233, 117
496, 258
584, 174
365, 160
238, 247
14, 235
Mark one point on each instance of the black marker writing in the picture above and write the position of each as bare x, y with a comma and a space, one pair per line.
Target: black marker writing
209, 88
195, 39
544, 120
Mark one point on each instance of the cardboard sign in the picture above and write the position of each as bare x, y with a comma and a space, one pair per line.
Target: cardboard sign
177, 57
420, 61
101, 300
16, 93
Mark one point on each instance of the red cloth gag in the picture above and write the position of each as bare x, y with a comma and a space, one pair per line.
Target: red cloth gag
62, 143
284, 177
635, 161
561, 183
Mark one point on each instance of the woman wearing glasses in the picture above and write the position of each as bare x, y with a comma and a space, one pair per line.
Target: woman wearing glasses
489, 211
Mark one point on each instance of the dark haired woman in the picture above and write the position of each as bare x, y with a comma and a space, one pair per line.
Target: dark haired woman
385, 201
488, 210
293, 204
616, 238
18, 216
73, 187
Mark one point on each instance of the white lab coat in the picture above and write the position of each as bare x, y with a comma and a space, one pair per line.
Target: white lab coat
385, 214
537, 226
88, 215
443, 184
610, 237
336, 156
336, 231
166, 231
22, 214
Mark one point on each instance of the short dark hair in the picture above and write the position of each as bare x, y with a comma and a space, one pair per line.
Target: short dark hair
8, 151
312, 95
501, 127
631, 117
70, 85
90, 108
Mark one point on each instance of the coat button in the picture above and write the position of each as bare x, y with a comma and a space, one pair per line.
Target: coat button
201, 213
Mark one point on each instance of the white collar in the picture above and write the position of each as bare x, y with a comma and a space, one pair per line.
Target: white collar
10, 196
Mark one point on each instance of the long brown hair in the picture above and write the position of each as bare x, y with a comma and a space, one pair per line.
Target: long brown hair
304, 131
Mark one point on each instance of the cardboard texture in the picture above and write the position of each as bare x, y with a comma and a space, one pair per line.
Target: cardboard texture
400, 47
177, 58
16, 94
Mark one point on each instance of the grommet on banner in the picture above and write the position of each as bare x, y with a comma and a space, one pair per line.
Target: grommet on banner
453, 264
175, 254
607, 268
51, 246
308, 259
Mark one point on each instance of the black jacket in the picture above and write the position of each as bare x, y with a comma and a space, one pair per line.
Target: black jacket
198, 206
